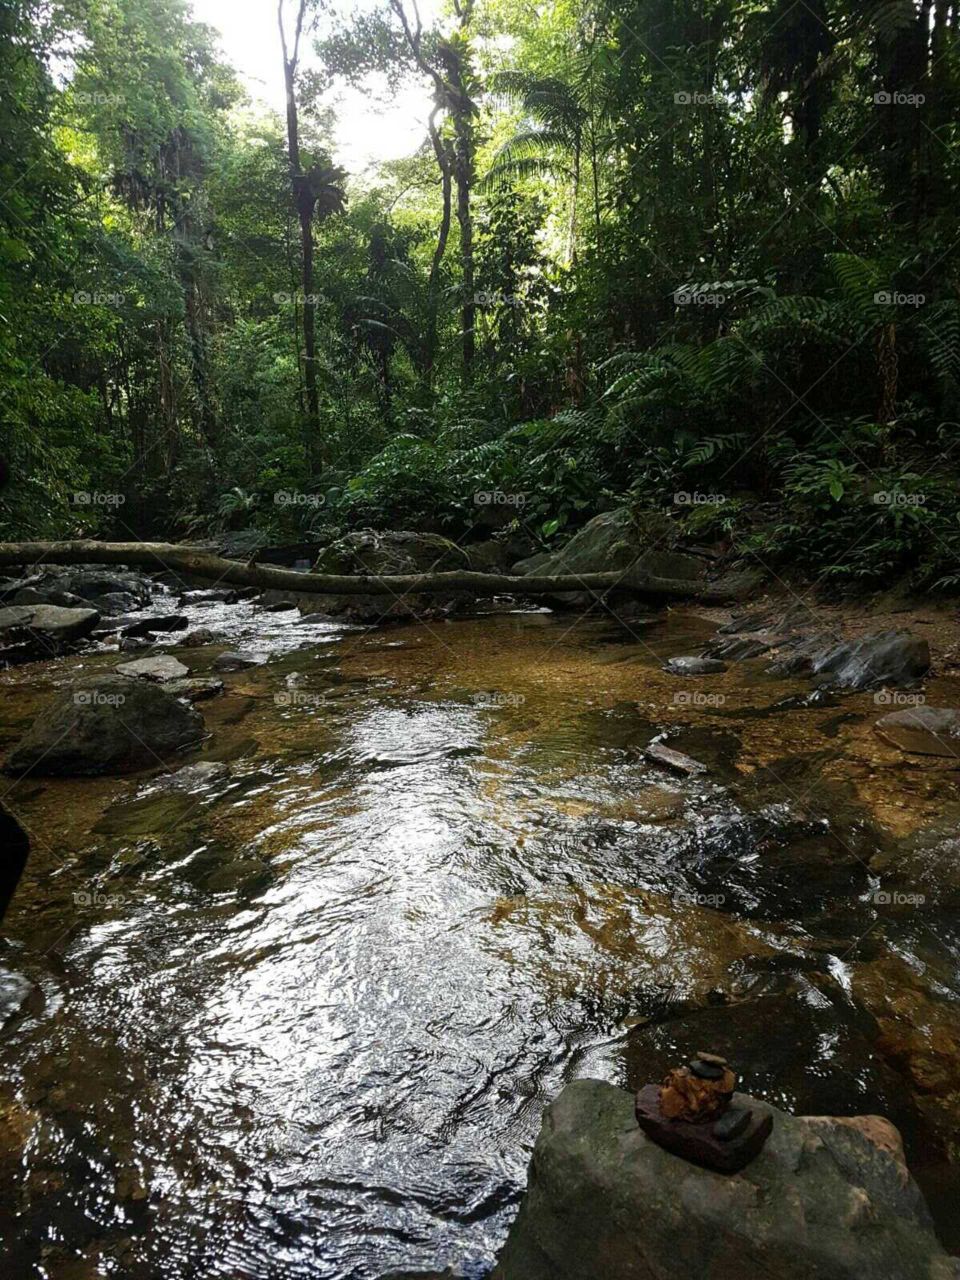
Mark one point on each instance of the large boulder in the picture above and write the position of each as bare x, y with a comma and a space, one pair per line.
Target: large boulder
106, 724
42, 630
370, 552
892, 658
825, 1200
616, 540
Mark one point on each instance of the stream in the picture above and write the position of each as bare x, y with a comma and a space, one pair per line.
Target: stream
299, 1016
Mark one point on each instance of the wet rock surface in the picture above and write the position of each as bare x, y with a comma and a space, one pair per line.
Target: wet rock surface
821, 1202
923, 730
105, 724
372, 552
160, 668
693, 665
42, 630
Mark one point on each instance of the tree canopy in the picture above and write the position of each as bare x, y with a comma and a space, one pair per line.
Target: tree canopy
646, 248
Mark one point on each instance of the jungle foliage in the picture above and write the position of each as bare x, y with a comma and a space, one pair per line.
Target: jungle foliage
662, 252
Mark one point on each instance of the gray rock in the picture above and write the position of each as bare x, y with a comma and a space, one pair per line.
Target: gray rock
616, 540
47, 595
192, 776
823, 1201
105, 724
199, 636
195, 689
160, 668
114, 603
231, 661
212, 595
132, 644
693, 665
369, 551
894, 658
43, 630
923, 730
675, 760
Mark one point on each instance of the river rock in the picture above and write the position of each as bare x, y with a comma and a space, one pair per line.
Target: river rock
369, 551
210, 595
675, 760
616, 540
692, 665
199, 636
923, 730
821, 1202
892, 658
43, 630
232, 661
160, 668
192, 776
195, 689
105, 724
48, 595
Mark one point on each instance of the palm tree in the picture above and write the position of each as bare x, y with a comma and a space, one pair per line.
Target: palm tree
548, 143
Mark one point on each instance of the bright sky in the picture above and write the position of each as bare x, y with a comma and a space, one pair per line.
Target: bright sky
367, 130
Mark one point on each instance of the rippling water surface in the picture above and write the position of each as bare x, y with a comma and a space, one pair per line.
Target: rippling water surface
300, 1018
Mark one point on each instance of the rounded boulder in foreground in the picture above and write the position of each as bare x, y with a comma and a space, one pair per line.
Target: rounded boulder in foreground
106, 724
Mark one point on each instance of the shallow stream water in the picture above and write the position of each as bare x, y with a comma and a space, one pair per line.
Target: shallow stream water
301, 1018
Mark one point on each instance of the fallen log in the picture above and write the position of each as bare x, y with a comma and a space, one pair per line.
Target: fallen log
193, 561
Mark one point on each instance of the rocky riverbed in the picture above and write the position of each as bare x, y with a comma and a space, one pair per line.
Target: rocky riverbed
297, 989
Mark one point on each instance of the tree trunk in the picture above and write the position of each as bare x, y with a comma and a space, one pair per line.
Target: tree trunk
160, 556
433, 285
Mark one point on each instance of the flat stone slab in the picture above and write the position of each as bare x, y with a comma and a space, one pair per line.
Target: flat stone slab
665, 755
160, 668
231, 661
694, 665
923, 730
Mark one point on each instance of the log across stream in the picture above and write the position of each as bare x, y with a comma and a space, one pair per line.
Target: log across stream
158, 556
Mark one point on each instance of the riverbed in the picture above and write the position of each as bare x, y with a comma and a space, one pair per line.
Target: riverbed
300, 1017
